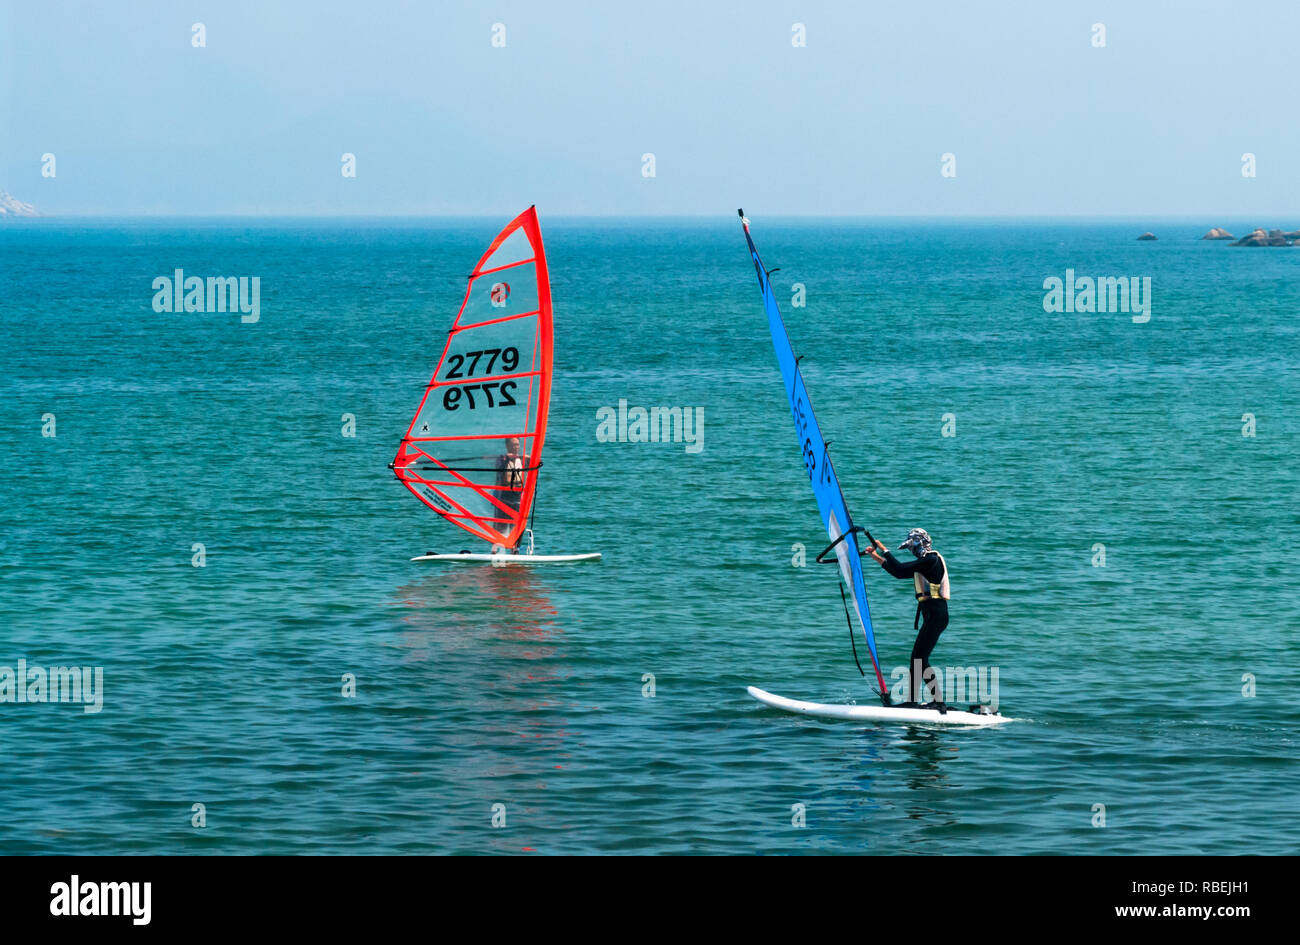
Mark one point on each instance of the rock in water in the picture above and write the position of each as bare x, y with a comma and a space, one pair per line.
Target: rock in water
1260, 237
11, 206
1147, 236
1218, 233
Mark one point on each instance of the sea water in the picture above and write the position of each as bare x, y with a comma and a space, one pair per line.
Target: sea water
198, 506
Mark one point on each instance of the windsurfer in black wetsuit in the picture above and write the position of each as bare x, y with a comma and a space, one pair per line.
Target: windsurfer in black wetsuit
929, 574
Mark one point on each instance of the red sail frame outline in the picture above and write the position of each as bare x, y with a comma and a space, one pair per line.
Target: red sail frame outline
445, 481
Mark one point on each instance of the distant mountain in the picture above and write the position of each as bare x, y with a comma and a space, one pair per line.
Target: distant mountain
11, 206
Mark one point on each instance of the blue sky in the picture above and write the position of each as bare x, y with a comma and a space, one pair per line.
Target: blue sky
855, 123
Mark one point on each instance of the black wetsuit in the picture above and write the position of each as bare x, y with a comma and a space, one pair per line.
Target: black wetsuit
931, 614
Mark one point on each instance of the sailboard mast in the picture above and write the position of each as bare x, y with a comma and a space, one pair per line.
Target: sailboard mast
474, 449
821, 473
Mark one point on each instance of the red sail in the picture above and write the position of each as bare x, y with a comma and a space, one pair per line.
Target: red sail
473, 451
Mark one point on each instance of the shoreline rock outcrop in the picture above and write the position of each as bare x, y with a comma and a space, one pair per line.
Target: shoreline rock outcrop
1261, 237
11, 206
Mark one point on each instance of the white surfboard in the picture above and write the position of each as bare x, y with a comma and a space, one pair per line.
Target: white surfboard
505, 558
876, 713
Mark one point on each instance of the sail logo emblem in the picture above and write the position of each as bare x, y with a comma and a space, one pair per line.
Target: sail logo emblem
500, 292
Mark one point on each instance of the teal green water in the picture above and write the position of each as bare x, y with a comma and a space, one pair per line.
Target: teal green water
479, 686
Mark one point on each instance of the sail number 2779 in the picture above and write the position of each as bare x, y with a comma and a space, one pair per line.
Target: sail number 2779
456, 362
491, 394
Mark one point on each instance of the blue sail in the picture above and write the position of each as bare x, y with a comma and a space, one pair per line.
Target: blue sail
817, 460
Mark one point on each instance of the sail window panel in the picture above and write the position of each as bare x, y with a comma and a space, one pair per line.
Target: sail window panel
476, 409
468, 479
492, 350
475, 504
515, 248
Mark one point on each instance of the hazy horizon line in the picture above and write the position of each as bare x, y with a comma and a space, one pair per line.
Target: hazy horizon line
485, 215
